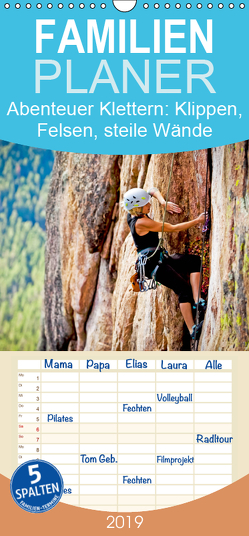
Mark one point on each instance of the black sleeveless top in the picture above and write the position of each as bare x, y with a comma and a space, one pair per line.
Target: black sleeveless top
150, 240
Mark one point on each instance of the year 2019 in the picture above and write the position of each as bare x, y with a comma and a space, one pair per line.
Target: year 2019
120, 522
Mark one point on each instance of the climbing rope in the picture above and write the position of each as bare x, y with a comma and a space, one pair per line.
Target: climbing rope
204, 230
142, 280
161, 243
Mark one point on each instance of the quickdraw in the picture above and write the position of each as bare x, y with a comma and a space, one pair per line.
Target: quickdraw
140, 282
144, 282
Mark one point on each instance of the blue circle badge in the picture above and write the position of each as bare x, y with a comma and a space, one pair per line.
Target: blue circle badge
36, 486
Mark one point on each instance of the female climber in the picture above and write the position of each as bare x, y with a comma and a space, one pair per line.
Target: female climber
169, 270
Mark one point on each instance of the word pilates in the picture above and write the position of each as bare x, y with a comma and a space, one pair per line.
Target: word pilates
166, 42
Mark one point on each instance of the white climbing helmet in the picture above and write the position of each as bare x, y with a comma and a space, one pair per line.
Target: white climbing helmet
136, 197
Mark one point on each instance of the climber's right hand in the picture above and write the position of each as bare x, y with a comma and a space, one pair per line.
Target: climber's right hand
202, 218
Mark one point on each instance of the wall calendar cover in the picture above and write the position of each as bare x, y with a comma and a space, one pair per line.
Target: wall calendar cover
124, 216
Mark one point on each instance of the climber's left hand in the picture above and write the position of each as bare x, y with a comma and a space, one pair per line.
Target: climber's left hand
172, 207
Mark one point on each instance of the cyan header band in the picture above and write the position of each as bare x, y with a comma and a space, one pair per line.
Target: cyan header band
90, 78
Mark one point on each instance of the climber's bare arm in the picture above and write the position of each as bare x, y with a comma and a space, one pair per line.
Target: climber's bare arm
144, 225
171, 207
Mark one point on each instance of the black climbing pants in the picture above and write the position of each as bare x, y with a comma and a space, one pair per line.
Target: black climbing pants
173, 273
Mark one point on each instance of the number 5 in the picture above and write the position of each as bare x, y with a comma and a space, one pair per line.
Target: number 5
32, 473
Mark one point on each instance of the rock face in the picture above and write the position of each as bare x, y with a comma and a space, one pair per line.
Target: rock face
89, 303
226, 323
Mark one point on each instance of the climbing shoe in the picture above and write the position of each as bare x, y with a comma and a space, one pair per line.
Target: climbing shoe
201, 309
196, 329
202, 305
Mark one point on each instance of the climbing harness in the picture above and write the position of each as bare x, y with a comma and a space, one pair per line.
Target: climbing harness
144, 282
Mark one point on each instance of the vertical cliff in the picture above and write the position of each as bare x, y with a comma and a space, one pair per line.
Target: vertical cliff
226, 321
90, 256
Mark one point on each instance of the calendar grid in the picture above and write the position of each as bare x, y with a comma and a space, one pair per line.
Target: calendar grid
125, 438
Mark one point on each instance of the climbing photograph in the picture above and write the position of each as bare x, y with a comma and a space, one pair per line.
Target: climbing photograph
98, 243
140, 252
